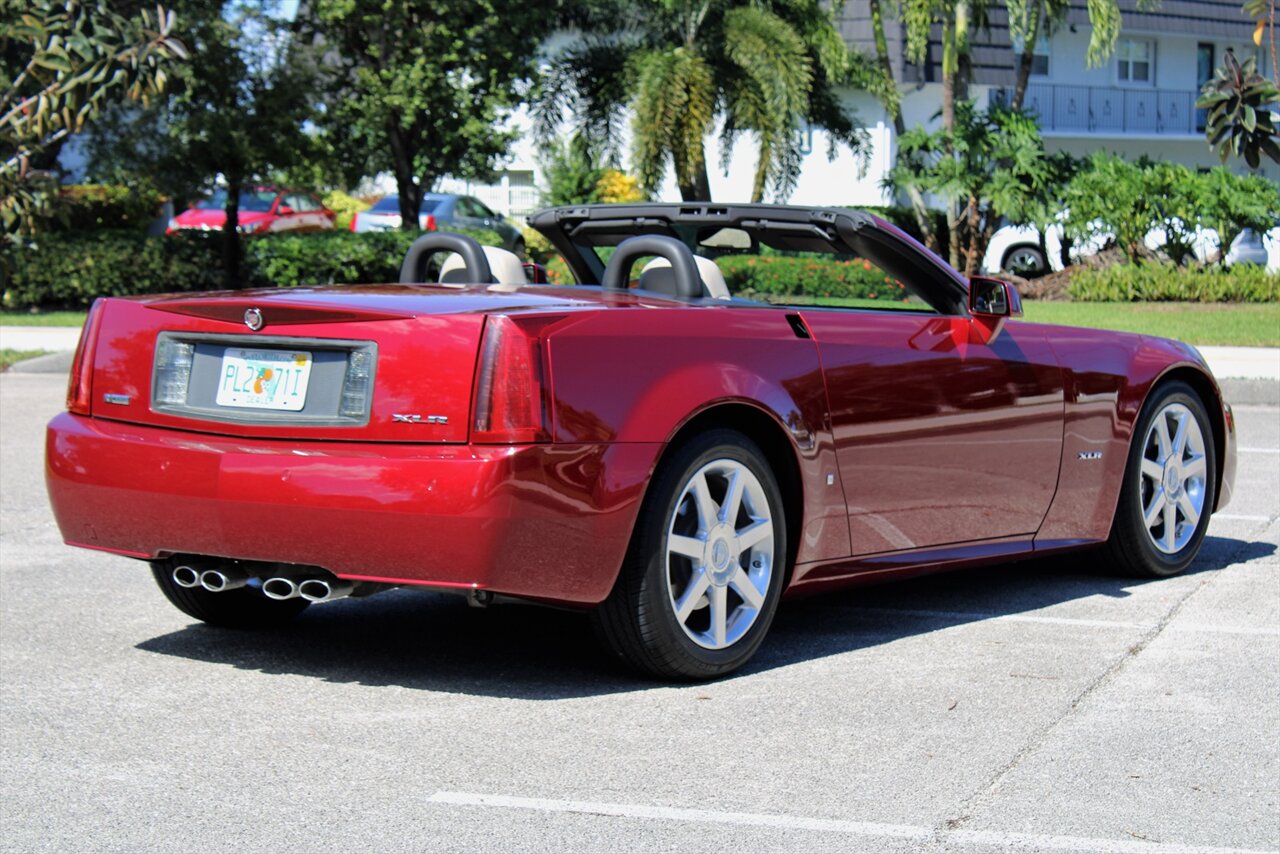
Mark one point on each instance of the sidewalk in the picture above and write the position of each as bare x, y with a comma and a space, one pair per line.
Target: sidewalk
1249, 375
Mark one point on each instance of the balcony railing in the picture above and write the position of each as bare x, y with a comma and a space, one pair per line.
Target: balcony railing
1107, 110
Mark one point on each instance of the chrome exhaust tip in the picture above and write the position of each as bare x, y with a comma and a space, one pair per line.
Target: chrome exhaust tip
319, 590
186, 576
218, 580
279, 588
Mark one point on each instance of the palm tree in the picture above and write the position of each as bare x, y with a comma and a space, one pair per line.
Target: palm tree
760, 68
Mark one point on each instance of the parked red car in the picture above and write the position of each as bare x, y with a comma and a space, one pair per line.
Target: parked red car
262, 210
661, 451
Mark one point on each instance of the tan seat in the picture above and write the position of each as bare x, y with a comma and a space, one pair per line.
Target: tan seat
505, 266
657, 276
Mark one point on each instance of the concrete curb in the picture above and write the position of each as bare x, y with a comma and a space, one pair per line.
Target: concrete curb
1239, 392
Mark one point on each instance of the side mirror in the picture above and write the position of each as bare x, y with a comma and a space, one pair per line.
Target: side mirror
991, 302
993, 298
284, 210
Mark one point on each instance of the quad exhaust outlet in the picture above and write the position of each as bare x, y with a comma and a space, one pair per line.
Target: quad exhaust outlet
270, 578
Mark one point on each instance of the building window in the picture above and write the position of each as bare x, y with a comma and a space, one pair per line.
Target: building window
1136, 61
1039, 56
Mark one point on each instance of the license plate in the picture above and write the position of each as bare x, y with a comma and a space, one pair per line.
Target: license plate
264, 379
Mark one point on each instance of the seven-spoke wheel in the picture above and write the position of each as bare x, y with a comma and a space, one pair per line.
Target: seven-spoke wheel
704, 572
1169, 486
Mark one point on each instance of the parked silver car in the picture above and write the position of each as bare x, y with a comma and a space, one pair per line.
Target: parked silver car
440, 211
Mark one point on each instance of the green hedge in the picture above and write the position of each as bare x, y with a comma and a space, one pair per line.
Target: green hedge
71, 269
1156, 282
767, 275
82, 207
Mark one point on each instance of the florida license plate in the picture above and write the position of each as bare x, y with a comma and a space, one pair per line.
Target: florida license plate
264, 379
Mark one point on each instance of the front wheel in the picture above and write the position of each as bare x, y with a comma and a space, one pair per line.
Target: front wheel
704, 571
1169, 486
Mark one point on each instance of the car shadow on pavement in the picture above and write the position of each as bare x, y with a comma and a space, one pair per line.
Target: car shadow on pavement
434, 642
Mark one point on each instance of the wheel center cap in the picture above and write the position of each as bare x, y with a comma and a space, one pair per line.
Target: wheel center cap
720, 554
1172, 480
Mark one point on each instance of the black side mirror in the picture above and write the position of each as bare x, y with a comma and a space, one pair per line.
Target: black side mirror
993, 298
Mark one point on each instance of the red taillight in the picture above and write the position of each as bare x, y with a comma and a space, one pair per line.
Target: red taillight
429, 222
80, 387
511, 399
354, 217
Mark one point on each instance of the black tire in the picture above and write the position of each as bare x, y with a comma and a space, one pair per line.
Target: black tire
1026, 261
639, 619
1132, 547
242, 608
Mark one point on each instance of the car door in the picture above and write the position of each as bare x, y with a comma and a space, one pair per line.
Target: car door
940, 438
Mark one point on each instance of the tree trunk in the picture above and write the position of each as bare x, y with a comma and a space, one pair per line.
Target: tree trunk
918, 207
231, 235
699, 190
1027, 56
949, 68
409, 191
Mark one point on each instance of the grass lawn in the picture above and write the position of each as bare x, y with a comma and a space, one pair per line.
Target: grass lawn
1233, 324
8, 357
44, 318
1223, 324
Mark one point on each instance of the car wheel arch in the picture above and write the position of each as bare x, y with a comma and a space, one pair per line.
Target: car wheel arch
1210, 396
765, 429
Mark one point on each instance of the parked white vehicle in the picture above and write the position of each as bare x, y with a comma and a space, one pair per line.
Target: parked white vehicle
1016, 249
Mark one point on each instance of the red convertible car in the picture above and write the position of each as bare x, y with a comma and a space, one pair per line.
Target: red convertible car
646, 444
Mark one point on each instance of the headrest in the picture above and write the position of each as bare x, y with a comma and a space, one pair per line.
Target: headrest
505, 266
658, 276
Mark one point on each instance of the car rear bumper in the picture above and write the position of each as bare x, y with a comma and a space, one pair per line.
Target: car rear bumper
549, 522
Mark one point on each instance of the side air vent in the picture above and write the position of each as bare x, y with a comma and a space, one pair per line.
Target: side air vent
797, 326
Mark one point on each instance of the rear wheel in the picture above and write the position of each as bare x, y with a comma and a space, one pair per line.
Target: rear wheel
1025, 261
242, 608
1169, 486
704, 572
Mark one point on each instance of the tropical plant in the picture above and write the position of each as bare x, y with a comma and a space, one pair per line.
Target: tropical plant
993, 163
763, 69
63, 62
1264, 12
1240, 121
1229, 203
571, 171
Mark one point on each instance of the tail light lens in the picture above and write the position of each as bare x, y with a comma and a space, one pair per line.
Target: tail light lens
429, 222
354, 217
511, 387
80, 386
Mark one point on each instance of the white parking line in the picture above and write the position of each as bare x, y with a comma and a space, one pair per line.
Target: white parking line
978, 838
1258, 450
1241, 517
974, 616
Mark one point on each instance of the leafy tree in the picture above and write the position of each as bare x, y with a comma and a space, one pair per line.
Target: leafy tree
1240, 122
419, 87
991, 164
763, 69
1107, 199
62, 63
572, 173
1264, 12
1229, 203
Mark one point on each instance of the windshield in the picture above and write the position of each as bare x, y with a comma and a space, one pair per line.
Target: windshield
391, 205
257, 201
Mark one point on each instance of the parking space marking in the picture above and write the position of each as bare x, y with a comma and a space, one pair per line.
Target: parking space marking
977, 838
975, 616
1258, 450
1241, 517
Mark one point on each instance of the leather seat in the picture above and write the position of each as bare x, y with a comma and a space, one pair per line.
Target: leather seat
658, 277
505, 266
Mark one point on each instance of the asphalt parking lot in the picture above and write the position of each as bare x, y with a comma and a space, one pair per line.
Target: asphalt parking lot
1033, 707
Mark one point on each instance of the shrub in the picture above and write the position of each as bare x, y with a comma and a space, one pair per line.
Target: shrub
84, 207
816, 277
345, 206
71, 269
1166, 282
